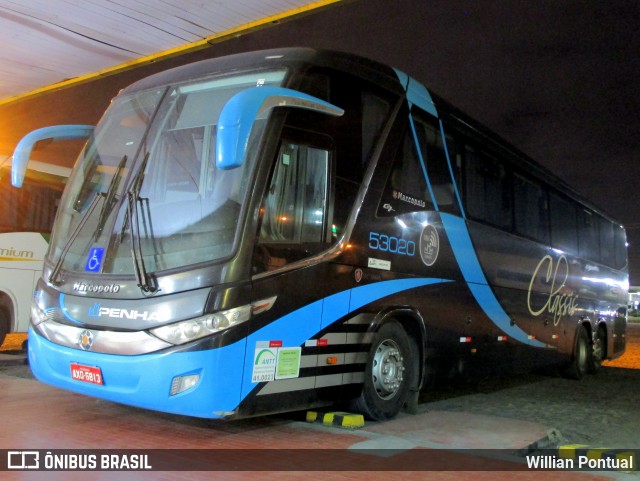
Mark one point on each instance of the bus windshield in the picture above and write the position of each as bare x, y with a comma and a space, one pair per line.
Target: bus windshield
148, 180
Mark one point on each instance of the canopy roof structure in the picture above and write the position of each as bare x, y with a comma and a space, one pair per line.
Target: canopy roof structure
47, 44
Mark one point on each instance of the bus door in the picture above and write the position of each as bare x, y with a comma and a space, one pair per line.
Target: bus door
290, 281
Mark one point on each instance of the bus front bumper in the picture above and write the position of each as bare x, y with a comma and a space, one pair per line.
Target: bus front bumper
147, 380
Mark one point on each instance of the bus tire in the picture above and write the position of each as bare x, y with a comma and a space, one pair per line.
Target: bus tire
598, 351
4, 324
579, 364
389, 371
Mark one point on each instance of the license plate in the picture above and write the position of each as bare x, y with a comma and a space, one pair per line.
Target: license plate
90, 374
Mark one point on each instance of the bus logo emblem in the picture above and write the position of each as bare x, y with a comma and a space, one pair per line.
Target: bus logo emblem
94, 259
85, 340
358, 275
429, 245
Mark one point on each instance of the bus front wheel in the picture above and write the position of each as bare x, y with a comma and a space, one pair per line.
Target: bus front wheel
389, 371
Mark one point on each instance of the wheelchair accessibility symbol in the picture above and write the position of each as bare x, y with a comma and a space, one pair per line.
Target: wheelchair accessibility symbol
94, 260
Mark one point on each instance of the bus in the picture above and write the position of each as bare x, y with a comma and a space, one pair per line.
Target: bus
297, 228
26, 219
30, 190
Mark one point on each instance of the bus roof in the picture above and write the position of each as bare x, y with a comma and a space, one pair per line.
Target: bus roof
374, 71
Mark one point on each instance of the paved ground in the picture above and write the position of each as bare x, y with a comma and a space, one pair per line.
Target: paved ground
510, 417
631, 358
45, 418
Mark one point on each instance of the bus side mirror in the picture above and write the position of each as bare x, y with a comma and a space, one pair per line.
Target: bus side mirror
25, 146
244, 108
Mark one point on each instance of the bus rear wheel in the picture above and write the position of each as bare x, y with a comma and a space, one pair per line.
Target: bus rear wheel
598, 351
580, 359
388, 374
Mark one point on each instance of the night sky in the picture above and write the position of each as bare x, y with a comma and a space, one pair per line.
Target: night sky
556, 78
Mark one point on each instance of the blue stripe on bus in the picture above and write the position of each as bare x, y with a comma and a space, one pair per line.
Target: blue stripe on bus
64, 310
456, 228
465, 255
295, 328
363, 295
417, 94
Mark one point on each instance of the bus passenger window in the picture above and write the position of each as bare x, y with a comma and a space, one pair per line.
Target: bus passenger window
564, 223
488, 192
589, 236
620, 240
607, 252
455, 149
531, 210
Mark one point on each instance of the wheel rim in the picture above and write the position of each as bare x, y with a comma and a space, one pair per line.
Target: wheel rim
387, 369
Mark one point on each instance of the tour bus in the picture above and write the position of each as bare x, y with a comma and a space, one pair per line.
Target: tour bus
295, 228
26, 218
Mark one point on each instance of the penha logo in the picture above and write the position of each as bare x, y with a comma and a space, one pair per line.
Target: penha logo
98, 311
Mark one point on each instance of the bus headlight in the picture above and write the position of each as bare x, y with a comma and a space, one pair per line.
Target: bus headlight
192, 329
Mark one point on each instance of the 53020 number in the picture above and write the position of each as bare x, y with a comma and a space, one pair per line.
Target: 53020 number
387, 243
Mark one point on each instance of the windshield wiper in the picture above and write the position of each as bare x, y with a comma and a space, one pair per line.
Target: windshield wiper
109, 200
53, 277
146, 281
107, 206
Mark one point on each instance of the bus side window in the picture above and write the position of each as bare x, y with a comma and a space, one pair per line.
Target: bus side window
435, 159
607, 247
620, 240
531, 209
487, 189
455, 149
564, 223
588, 236
295, 211
406, 189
